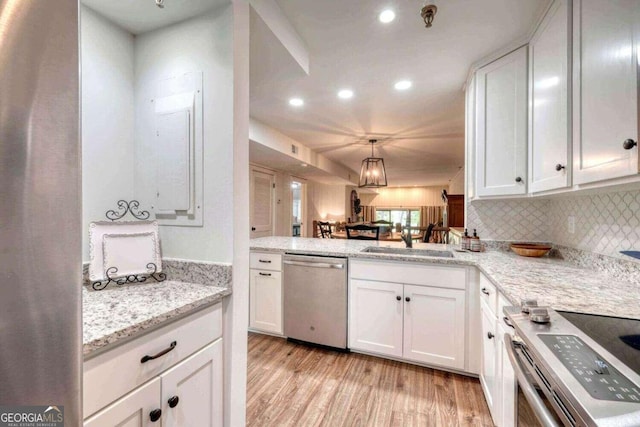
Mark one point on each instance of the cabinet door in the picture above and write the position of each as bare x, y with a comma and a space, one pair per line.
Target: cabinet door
506, 380
197, 384
501, 126
470, 140
605, 88
133, 410
549, 124
434, 325
265, 301
489, 354
375, 317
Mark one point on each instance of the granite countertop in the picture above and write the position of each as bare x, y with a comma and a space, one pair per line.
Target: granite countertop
552, 281
117, 313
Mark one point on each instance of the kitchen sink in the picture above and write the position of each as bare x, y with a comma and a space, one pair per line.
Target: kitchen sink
408, 251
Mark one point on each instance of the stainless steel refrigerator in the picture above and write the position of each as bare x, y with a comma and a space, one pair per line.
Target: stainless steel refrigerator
40, 206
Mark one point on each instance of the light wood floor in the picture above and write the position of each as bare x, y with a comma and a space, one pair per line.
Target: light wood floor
295, 385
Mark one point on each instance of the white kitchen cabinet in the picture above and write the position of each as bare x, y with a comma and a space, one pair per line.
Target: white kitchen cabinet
265, 301
192, 390
133, 410
506, 384
606, 37
265, 293
501, 126
489, 360
422, 320
123, 386
187, 395
376, 316
549, 91
434, 325
470, 141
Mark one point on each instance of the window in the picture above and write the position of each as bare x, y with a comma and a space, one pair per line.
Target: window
406, 217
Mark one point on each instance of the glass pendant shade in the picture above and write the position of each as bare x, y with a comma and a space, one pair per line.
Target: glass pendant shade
372, 173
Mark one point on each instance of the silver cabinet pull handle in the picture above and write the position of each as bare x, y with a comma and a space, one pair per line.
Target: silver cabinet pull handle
265, 274
541, 411
264, 261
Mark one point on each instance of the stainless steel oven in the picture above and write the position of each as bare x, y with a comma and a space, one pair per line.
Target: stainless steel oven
574, 369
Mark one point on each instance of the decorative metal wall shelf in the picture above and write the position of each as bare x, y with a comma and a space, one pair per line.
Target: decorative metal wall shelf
128, 207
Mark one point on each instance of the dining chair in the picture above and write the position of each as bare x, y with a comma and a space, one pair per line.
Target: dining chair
363, 232
427, 233
325, 229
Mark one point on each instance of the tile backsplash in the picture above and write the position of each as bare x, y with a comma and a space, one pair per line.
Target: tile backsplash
605, 223
509, 219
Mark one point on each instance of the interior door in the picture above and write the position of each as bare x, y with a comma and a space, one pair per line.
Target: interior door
262, 203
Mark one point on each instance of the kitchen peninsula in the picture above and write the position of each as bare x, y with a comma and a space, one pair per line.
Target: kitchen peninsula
555, 282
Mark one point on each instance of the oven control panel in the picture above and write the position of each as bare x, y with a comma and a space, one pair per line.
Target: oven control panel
601, 380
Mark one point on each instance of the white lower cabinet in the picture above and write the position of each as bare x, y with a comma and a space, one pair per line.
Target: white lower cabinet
375, 320
265, 301
434, 325
192, 390
420, 323
146, 382
133, 410
265, 293
506, 381
489, 356
496, 374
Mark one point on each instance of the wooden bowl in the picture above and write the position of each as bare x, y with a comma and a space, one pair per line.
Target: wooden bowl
530, 249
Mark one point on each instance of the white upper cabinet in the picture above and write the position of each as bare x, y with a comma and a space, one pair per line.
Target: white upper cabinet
605, 89
501, 126
470, 150
549, 87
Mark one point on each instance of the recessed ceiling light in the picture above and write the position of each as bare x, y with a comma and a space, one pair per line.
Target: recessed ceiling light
387, 16
296, 102
403, 85
345, 94
304, 165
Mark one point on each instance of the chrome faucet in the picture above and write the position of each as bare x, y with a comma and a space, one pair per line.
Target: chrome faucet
407, 239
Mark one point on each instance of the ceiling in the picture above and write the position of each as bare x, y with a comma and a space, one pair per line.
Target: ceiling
263, 155
421, 130
140, 16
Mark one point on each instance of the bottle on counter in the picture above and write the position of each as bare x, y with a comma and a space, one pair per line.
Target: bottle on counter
475, 245
464, 241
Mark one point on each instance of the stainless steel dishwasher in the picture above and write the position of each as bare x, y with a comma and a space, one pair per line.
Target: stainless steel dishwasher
315, 300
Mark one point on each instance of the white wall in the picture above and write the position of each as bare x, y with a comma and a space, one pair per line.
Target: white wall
236, 306
324, 203
456, 185
204, 43
107, 118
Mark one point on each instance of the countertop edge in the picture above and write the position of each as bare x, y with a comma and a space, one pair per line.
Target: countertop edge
101, 345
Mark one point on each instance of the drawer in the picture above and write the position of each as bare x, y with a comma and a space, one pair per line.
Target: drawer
488, 294
265, 261
410, 274
116, 372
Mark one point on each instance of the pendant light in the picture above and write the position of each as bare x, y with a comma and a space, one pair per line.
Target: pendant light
372, 172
